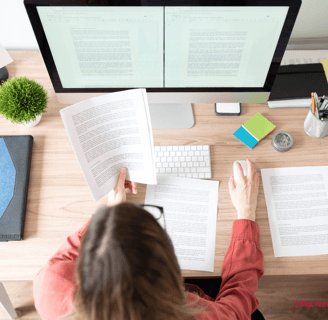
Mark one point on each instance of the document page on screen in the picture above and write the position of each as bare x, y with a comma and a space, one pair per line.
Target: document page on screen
190, 209
95, 47
220, 46
297, 204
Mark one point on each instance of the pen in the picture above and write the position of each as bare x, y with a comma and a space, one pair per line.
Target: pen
324, 105
312, 102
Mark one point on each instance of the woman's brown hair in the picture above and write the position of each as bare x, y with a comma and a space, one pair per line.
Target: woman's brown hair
127, 270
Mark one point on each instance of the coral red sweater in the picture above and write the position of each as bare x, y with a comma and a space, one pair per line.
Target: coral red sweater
53, 286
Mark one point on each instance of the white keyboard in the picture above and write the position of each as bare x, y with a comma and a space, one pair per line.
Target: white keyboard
184, 161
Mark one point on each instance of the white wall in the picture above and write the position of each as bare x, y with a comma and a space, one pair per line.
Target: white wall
16, 31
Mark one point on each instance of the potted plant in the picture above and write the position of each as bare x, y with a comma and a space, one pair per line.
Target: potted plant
22, 101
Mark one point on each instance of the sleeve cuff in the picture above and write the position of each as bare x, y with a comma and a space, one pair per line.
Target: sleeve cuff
244, 229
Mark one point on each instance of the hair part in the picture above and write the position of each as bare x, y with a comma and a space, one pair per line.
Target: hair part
127, 270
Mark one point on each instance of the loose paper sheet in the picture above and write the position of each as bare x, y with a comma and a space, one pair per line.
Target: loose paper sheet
297, 204
110, 132
190, 209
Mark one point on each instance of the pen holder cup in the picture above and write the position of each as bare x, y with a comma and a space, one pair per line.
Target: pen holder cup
314, 127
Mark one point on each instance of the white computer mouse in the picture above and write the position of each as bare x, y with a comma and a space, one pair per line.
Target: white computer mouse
243, 165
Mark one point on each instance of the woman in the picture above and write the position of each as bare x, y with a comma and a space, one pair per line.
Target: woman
121, 266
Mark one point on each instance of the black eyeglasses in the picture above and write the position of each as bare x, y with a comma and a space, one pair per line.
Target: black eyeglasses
156, 211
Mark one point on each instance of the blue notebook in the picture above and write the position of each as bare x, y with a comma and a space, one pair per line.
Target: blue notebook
15, 164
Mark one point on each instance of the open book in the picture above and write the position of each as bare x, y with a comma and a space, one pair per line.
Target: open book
110, 132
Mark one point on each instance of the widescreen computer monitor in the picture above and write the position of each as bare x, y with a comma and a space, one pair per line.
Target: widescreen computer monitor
182, 52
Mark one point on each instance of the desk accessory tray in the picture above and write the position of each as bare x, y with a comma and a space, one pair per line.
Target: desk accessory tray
15, 164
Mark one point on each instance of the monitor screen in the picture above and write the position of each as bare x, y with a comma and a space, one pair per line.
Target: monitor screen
162, 47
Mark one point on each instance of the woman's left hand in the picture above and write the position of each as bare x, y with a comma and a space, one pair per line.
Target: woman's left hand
118, 194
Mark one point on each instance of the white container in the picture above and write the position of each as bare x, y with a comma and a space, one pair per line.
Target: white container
314, 127
33, 122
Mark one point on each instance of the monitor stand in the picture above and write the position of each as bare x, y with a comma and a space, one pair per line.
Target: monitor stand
171, 115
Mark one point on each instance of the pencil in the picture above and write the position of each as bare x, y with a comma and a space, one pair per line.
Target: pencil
312, 104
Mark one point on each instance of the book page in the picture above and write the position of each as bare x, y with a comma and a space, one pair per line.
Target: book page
110, 132
190, 209
297, 204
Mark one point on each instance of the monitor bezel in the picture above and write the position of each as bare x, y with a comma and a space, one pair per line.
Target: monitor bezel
294, 6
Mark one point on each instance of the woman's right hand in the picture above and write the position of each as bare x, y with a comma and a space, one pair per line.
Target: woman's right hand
244, 195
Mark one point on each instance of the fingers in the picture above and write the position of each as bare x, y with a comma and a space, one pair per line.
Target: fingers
132, 186
251, 172
231, 185
239, 172
121, 178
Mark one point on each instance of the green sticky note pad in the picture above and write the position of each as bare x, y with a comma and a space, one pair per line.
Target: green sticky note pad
259, 126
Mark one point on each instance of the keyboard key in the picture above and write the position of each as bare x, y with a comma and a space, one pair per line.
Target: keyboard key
193, 169
163, 148
206, 158
190, 164
194, 159
175, 159
161, 170
181, 159
197, 153
157, 170
160, 154
200, 158
177, 164
171, 164
178, 153
205, 153
157, 159
199, 148
201, 169
172, 154
206, 147
169, 159
195, 175
187, 169
202, 164
184, 153
182, 175
190, 153
180, 170
175, 148
196, 164
193, 148
181, 148
188, 175
188, 159
169, 170
201, 175
174, 169
165, 165
157, 148
166, 154
183, 164
187, 148
163, 159
159, 165
169, 148
208, 175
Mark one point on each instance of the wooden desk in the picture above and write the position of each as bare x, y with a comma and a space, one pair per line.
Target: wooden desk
59, 201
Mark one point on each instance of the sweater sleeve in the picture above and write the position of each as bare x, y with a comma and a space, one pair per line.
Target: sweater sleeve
242, 267
53, 286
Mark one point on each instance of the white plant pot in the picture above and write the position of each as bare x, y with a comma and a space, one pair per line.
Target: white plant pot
33, 122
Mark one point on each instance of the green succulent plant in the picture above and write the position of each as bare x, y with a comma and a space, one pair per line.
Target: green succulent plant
22, 99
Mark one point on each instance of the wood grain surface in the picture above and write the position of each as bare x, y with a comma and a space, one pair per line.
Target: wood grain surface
59, 201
